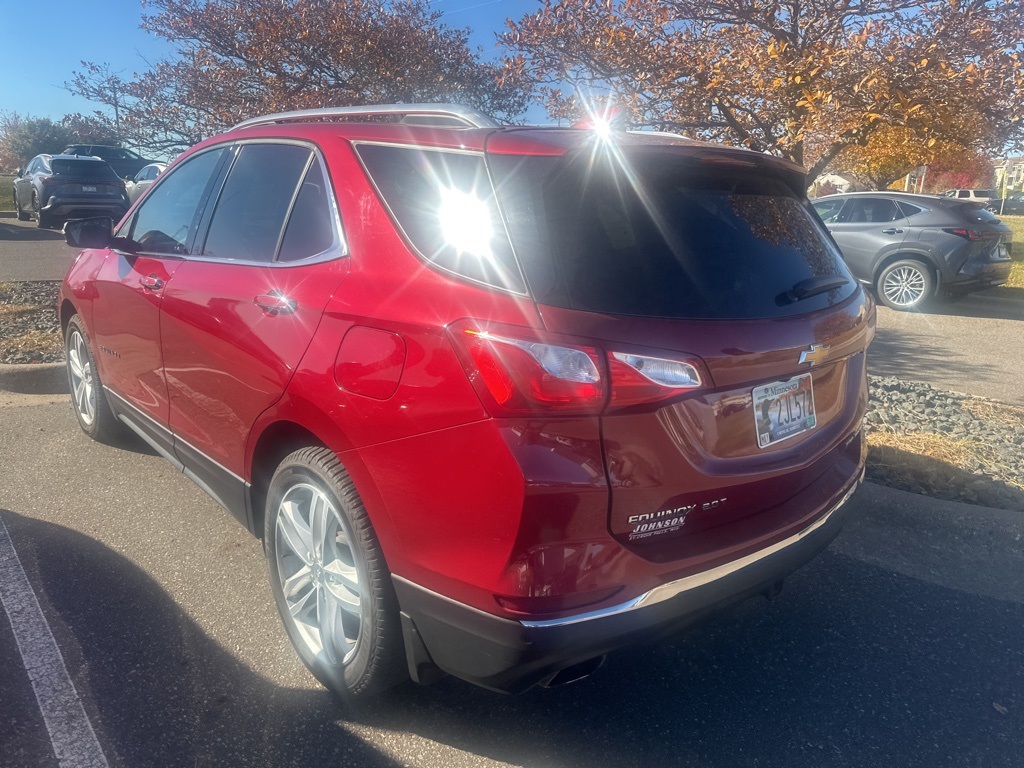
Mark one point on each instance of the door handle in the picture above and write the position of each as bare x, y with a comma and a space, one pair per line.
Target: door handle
892, 231
151, 283
276, 303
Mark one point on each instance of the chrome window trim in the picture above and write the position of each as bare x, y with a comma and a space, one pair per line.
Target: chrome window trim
339, 250
525, 293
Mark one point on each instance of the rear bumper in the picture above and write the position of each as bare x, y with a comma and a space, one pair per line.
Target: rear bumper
977, 274
78, 208
512, 656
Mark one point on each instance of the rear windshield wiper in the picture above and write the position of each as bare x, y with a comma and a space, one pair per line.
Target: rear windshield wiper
812, 286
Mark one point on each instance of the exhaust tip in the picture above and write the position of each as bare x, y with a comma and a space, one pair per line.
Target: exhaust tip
574, 673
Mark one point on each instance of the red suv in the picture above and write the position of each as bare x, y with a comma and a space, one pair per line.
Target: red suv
498, 400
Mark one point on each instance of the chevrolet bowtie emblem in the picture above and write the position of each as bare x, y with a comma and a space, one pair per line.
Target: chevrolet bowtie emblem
815, 355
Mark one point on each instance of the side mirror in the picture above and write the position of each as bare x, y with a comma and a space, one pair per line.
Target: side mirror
97, 232
17, 173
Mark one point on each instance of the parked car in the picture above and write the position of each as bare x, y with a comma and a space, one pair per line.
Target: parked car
144, 180
124, 162
911, 248
499, 400
1012, 205
975, 195
55, 188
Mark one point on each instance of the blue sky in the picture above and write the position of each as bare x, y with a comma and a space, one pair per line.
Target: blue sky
43, 51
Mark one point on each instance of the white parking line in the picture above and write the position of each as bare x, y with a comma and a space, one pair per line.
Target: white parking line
71, 734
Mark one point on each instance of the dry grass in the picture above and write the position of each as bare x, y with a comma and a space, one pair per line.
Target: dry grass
17, 310
962, 469
34, 345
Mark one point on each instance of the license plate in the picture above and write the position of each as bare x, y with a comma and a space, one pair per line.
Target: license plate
783, 409
88, 187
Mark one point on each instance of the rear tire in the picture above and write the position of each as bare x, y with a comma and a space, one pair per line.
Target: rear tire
87, 398
905, 285
329, 578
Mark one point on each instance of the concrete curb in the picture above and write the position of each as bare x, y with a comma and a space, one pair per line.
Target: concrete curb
34, 379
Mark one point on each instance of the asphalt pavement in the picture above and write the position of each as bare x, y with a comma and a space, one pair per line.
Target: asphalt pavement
899, 646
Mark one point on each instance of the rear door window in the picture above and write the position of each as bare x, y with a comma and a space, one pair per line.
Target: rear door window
871, 210
252, 207
652, 233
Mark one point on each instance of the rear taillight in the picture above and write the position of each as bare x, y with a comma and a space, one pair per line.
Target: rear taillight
51, 180
519, 371
641, 379
970, 234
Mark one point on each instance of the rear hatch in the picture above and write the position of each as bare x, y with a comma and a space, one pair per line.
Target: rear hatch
703, 274
88, 181
989, 238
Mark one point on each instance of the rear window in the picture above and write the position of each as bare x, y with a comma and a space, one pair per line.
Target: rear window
975, 213
84, 169
649, 233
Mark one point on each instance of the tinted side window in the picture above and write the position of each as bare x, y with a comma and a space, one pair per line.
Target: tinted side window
828, 209
909, 210
310, 229
167, 219
964, 193
444, 203
254, 202
871, 210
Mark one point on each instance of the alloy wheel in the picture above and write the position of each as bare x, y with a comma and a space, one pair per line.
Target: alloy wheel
322, 576
904, 286
83, 382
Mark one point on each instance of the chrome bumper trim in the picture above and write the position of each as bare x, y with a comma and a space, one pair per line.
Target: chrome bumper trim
672, 589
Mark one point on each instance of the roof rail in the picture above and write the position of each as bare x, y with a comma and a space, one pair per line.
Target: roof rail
471, 117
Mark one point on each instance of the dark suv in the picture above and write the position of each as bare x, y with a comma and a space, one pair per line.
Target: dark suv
911, 248
55, 188
499, 400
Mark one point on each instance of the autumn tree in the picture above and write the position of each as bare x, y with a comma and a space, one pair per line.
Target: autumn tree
799, 78
236, 60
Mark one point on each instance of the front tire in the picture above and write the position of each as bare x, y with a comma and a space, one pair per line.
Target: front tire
329, 578
87, 398
22, 215
905, 285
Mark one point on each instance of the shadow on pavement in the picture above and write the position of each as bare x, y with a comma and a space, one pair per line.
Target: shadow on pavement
158, 690
27, 231
890, 354
852, 665
1000, 303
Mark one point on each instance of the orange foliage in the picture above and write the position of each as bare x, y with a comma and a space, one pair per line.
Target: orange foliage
803, 80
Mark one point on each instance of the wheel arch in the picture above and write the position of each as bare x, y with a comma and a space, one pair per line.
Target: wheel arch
293, 423
67, 311
276, 441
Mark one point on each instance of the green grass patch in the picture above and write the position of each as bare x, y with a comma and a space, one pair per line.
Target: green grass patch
6, 192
